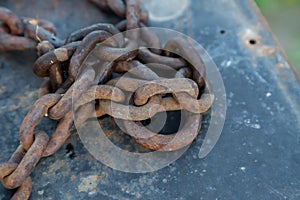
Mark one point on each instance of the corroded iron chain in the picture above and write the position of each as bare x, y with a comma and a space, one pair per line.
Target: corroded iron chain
59, 65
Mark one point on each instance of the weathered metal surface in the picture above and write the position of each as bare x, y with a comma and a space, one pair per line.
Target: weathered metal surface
258, 154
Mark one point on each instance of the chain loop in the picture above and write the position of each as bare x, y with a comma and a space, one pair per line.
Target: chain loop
104, 91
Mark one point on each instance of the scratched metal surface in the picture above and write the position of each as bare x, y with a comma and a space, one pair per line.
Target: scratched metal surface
258, 154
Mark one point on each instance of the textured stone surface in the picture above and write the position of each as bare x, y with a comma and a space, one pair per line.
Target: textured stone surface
258, 154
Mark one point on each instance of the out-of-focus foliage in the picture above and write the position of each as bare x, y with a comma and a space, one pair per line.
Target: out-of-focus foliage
283, 17
274, 5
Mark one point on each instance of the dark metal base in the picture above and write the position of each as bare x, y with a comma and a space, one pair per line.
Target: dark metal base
258, 154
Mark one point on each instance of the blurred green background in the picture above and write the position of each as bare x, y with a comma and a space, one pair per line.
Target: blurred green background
283, 17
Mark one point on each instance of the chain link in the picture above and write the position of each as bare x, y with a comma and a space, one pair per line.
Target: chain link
97, 93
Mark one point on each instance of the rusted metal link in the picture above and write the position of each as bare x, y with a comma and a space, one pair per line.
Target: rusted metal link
84, 112
34, 116
81, 33
7, 168
164, 71
29, 161
14, 23
85, 47
72, 95
147, 35
170, 104
132, 14
55, 75
132, 80
60, 135
133, 19
45, 87
130, 84
165, 86
151, 39
197, 105
121, 25
184, 72
4, 28
187, 51
179, 101
129, 112
111, 54
18, 155
194, 105
55, 71
104, 72
126, 83
10, 42
38, 33
64, 87
42, 64
185, 135
44, 47
155, 105
186, 101
101, 92
118, 7
146, 56
45, 24
137, 69
167, 103
24, 191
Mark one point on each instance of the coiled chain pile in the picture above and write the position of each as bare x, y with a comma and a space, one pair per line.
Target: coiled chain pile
104, 90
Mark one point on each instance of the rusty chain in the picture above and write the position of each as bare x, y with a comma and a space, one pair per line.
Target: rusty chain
190, 90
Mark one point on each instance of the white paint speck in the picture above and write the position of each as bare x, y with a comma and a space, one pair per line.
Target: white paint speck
92, 193
243, 168
247, 121
164, 180
41, 192
268, 94
252, 125
228, 63
256, 126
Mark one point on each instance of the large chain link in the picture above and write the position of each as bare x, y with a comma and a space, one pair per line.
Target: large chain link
59, 63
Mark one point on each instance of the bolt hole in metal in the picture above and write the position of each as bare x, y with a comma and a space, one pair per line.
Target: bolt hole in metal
222, 32
250, 37
252, 41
